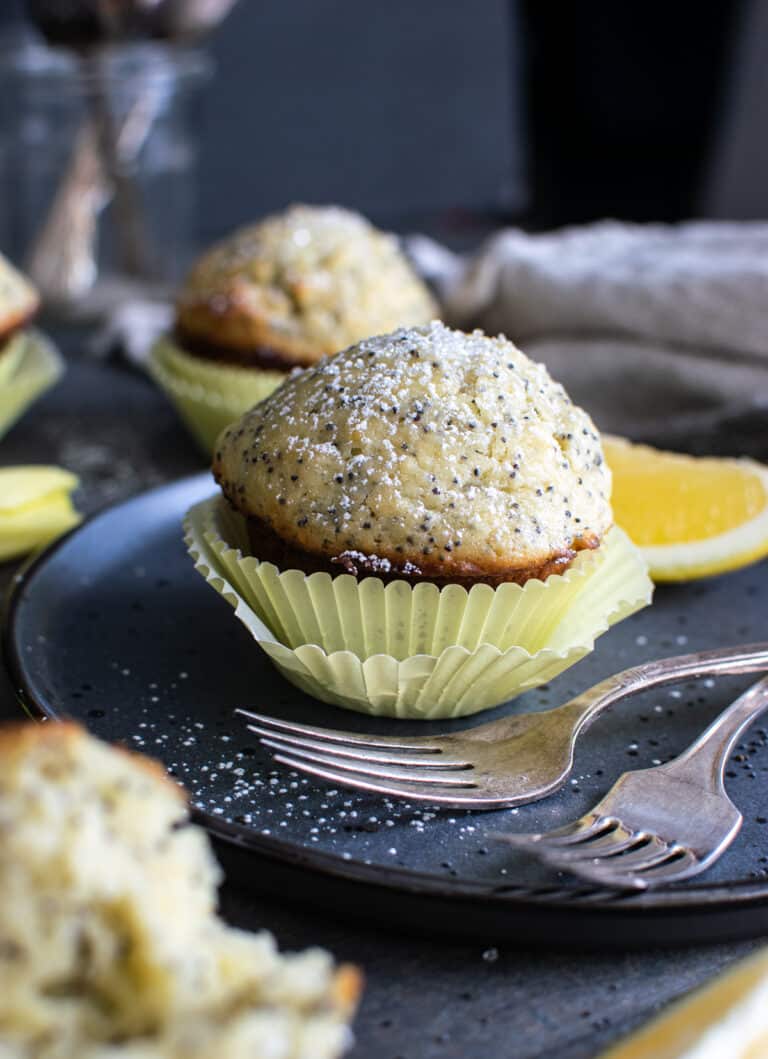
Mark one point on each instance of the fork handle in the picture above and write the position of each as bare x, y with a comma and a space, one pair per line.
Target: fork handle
705, 759
746, 658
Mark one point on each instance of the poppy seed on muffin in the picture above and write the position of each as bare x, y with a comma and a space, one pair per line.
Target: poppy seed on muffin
423, 454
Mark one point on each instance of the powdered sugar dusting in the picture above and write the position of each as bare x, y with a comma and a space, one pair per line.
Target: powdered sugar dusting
423, 443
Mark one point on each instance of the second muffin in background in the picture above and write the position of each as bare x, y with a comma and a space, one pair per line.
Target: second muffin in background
276, 296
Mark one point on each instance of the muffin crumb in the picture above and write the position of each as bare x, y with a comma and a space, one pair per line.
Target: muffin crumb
110, 945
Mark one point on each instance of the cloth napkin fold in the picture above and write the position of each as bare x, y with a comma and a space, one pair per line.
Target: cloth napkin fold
650, 327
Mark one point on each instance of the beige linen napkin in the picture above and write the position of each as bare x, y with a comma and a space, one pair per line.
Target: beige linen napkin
654, 328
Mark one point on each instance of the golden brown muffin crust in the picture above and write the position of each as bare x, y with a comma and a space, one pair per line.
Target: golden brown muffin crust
271, 548
298, 286
12, 328
21, 737
262, 357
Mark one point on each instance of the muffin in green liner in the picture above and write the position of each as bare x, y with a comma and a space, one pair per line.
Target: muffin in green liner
207, 396
278, 296
10, 356
29, 365
418, 526
416, 651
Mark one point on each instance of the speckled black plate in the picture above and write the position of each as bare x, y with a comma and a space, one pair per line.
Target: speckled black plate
114, 627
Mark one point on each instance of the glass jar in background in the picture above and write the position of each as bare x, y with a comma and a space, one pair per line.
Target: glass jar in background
98, 166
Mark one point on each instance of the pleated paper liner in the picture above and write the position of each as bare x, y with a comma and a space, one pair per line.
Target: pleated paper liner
208, 396
28, 367
10, 356
416, 651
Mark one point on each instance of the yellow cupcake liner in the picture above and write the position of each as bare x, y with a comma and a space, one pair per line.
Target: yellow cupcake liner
208, 396
11, 356
28, 367
416, 651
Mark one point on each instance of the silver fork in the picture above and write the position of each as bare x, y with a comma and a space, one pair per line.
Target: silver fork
510, 761
658, 825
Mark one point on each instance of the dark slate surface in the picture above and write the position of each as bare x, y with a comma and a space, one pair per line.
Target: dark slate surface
425, 998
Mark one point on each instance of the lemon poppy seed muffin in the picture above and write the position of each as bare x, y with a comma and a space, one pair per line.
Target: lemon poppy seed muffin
297, 286
275, 297
18, 302
424, 454
110, 946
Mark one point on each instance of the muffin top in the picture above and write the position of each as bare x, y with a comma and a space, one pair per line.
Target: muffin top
18, 299
425, 452
297, 286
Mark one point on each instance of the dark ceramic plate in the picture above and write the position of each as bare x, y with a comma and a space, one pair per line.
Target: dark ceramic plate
114, 627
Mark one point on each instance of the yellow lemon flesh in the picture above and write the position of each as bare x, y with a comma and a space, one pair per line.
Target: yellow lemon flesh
727, 1019
35, 507
691, 516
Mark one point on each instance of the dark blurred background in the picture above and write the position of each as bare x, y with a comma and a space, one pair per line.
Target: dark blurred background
457, 117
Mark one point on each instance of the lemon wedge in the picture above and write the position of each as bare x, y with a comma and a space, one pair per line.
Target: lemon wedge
691, 516
726, 1019
35, 507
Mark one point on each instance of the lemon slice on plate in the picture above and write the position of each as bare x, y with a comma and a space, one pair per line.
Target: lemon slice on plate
691, 516
727, 1019
35, 507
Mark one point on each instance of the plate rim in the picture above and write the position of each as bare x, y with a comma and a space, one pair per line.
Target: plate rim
599, 906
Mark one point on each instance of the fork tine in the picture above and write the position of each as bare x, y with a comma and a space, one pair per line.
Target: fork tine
286, 741
578, 831
331, 735
603, 870
651, 852
674, 864
604, 847
623, 860
673, 870
456, 797
647, 859
407, 775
